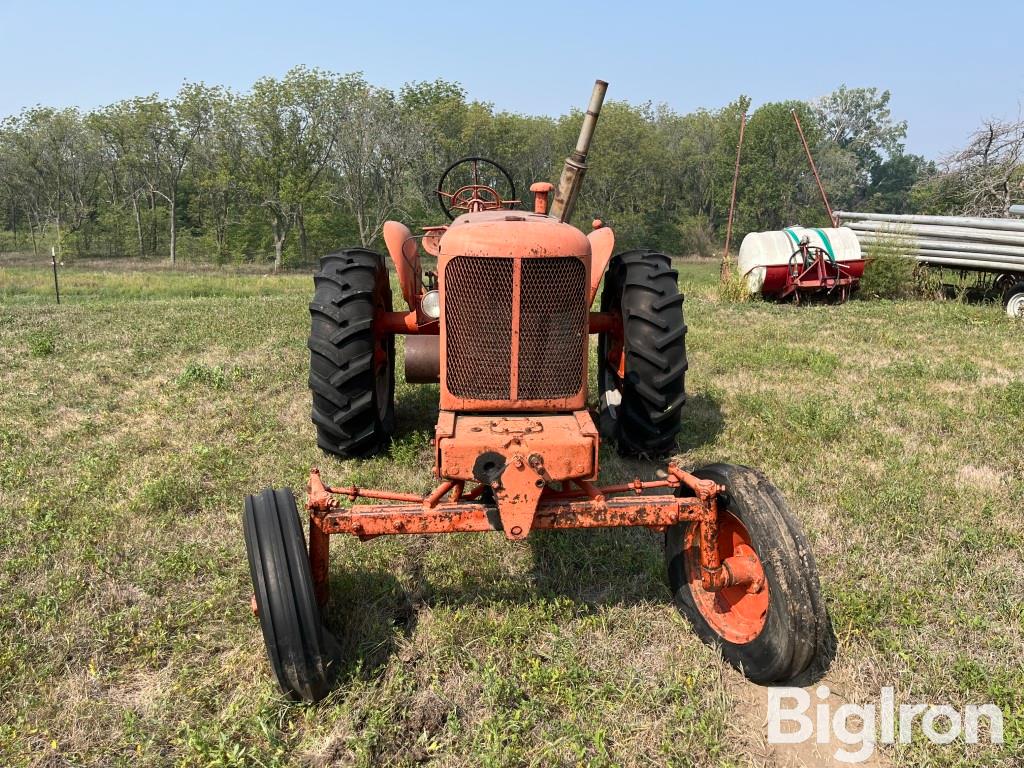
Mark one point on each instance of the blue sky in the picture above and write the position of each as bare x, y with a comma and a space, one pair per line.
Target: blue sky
949, 65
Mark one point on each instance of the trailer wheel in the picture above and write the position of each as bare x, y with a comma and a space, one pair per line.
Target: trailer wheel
1013, 299
302, 652
351, 366
642, 368
772, 635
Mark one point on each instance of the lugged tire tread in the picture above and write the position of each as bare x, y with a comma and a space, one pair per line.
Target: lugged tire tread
643, 287
347, 416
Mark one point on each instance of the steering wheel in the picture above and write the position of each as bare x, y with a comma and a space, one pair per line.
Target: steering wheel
476, 181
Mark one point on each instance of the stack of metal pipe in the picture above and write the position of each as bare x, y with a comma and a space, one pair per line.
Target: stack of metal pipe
958, 242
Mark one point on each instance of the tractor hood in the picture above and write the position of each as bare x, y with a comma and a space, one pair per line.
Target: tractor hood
514, 234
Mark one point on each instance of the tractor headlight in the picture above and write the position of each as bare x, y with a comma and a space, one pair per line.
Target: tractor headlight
431, 304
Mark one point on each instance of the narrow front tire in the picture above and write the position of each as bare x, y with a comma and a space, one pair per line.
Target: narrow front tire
303, 654
774, 634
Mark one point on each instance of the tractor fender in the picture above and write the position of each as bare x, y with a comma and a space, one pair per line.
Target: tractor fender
602, 243
406, 257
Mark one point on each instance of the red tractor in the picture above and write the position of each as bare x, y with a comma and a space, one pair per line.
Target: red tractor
504, 327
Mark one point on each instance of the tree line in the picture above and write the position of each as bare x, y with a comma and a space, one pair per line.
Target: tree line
312, 161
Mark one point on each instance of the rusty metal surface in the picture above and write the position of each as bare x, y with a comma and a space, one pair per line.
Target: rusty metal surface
541, 195
354, 492
431, 241
512, 234
477, 191
517, 492
576, 164
553, 313
814, 169
487, 310
317, 495
467, 517
423, 359
519, 481
718, 571
706, 490
319, 560
814, 273
602, 244
603, 322
473, 198
406, 322
726, 259
566, 443
478, 313
733, 597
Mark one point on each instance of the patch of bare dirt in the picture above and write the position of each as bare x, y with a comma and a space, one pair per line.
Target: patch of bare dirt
749, 728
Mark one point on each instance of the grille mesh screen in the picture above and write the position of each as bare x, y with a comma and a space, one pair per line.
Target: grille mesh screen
552, 328
478, 313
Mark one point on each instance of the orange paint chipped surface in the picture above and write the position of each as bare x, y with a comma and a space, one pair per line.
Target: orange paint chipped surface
564, 445
513, 234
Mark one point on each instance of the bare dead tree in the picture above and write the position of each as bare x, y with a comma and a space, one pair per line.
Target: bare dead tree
989, 172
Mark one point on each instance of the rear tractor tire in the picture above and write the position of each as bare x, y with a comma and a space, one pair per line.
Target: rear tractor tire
773, 635
351, 364
642, 369
302, 653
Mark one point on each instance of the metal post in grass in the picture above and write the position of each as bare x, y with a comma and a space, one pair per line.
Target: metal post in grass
53, 261
726, 259
832, 221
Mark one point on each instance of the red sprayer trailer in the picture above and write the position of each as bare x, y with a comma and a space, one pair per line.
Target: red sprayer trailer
800, 263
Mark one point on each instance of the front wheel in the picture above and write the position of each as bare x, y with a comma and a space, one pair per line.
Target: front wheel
302, 653
771, 635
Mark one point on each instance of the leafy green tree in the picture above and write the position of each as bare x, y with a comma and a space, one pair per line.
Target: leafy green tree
331, 157
217, 173
777, 186
156, 139
373, 156
893, 181
440, 109
860, 120
53, 165
620, 185
119, 140
289, 130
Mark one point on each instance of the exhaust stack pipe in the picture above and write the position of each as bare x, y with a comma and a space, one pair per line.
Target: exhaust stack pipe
576, 163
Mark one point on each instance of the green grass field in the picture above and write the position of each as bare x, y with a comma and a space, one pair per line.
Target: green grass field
136, 416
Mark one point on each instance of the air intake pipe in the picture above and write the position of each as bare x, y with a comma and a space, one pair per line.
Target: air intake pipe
576, 163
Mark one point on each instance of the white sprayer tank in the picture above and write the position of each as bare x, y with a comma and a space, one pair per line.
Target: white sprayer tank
766, 249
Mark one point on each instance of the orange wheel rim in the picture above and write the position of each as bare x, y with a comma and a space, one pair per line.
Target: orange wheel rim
734, 613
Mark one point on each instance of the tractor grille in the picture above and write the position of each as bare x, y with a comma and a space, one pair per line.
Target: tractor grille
552, 328
478, 313
479, 306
